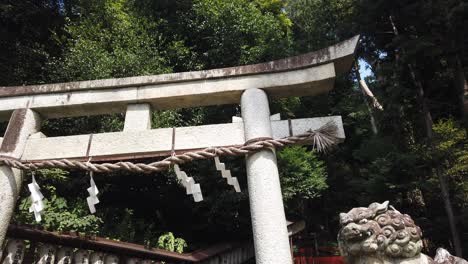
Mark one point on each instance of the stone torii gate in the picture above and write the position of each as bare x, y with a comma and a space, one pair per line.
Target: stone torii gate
252, 86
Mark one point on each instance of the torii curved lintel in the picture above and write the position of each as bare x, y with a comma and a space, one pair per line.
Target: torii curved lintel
307, 74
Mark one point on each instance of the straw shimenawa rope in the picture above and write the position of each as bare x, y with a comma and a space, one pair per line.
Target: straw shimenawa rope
321, 140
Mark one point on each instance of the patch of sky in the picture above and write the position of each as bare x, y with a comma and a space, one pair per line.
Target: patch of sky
61, 5
365, 69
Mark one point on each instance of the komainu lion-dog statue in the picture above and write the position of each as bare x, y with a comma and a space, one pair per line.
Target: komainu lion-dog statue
379, 234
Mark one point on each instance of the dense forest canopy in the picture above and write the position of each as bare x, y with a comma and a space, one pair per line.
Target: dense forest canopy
412, 151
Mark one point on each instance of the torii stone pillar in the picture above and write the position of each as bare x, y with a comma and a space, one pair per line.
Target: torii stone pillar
23, 123
266, 203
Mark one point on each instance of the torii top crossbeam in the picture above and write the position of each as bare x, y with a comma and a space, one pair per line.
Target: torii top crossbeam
308, 74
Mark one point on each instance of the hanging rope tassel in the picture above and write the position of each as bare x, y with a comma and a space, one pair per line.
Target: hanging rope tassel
227, 175
37, 205
189, 183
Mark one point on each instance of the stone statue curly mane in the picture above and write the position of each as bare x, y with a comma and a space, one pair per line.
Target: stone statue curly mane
377, 230
380, 234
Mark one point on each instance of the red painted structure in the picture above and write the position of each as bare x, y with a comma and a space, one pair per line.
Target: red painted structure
308, 255
318, 260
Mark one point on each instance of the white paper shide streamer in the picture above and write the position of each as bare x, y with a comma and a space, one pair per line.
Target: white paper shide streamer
92, 198
189, 183
37, 205
227, 174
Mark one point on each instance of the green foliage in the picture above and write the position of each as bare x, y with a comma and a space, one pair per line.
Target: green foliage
318, 23
303, 175
452, 155
229, 33
169, 242
83, 125
178, 117
110, 41
29, 30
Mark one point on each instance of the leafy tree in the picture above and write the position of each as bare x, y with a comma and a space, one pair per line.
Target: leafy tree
318, 23
29, 30
303, 178
451, 153
229, 33
302, 174
110, 40
169, 242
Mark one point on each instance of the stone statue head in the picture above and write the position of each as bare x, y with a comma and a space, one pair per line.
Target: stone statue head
378, 231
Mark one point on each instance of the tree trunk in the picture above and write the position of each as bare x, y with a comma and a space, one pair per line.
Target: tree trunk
429, 134
462, 88
427, 117
451, 216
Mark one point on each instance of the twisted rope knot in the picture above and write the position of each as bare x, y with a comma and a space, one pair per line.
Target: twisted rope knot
321, 139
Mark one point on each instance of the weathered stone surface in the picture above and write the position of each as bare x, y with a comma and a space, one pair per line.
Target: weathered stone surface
97, 258
134, 143
54, 147
64, 255
14, 251
379, 234
170, 95
308, 74
444, 257
81, 257
46, 254
111, 259
266, 204
341, 54
24, 122
420, 259
138, 117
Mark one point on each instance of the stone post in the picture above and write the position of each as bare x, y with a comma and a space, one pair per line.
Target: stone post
138, 117
23, 123
14, 251
81, 257
266, 203
47, 254
96, 258
64, 255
